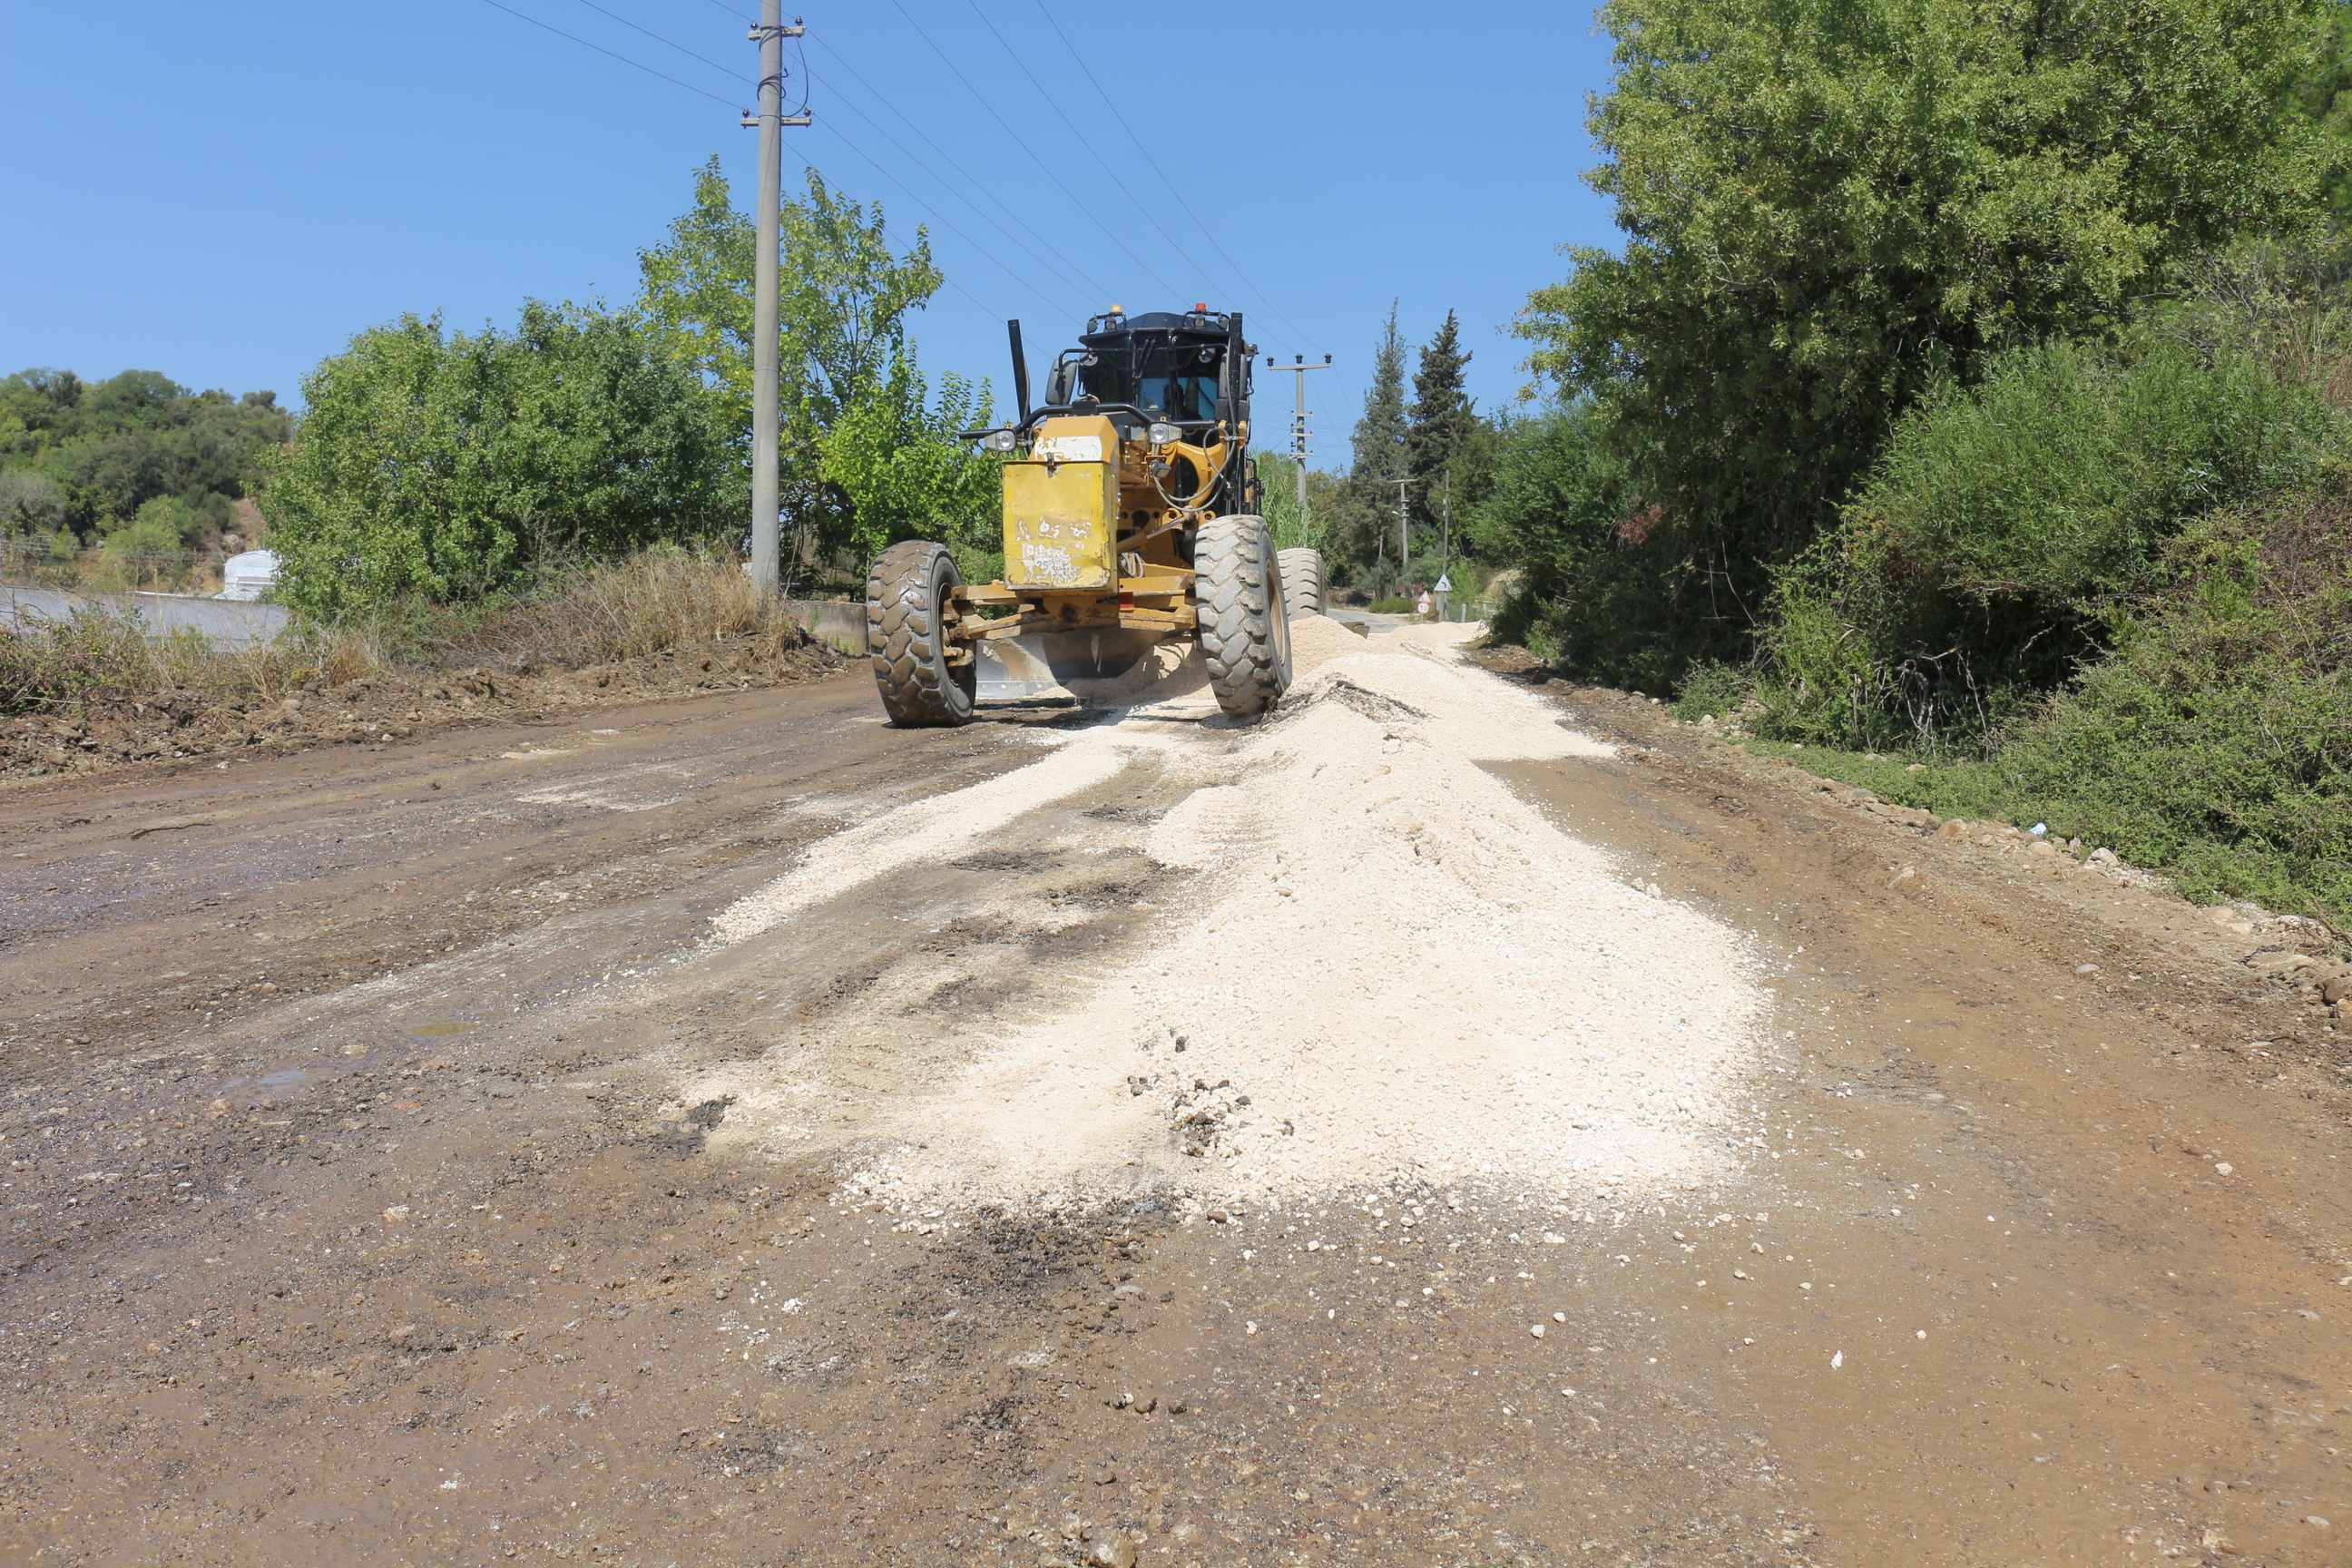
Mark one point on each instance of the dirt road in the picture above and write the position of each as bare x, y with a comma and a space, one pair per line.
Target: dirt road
1461, 1120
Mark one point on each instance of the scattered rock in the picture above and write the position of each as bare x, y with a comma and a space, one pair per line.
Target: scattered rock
1116, 1549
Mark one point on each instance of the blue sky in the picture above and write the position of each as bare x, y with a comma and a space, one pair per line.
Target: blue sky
227, 191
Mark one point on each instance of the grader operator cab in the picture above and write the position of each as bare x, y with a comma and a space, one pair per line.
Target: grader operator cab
1130, 519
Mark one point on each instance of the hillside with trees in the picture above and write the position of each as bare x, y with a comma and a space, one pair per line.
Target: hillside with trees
136, 466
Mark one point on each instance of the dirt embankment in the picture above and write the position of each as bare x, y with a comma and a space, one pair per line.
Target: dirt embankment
388, 709
2285, 983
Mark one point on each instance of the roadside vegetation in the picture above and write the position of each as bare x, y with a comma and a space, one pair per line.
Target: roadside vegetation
565, 492
567, 614
131, 482
1968, 407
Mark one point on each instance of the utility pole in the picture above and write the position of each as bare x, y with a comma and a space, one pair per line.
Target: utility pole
767, 555
1404, 538
1445, 529
1298, 422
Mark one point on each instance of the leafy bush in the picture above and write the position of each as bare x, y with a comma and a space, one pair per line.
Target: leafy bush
445, 465
1596, 588
894, 456
2004, 526
1830, 205
2217, 740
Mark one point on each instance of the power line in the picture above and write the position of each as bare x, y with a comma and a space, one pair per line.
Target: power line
1043, 165
943, 223
811, 168
1123, 185
1083, 285
1174, 187
658, 38
602, 50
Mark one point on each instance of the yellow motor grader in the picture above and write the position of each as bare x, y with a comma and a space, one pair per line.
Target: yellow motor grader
1129, 521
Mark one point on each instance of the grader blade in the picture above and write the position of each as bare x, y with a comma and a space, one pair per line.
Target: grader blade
1040, 664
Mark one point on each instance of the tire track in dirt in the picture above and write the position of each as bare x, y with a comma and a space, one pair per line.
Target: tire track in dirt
498, 1255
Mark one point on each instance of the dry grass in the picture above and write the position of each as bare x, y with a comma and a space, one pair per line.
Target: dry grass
608, 611
102, 655
596, 613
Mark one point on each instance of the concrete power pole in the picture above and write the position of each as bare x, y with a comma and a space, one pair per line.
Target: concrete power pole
1404, 536
767, 555
1299, 421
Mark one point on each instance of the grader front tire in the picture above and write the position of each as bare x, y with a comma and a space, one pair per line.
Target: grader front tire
1244, 630
908, 606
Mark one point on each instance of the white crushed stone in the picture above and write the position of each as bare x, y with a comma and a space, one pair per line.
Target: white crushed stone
1388, 966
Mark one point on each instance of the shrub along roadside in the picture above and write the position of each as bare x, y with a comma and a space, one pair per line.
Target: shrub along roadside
2005, 528
2214, 744
2216, 741
565, 615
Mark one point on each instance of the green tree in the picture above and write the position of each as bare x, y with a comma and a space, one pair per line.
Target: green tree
2322, 95
444, 464
893, 457
1361, 528
1447, 453
1830, 205
844, 296
111, 448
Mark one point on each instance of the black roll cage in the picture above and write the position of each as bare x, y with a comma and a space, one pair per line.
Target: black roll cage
1233, 394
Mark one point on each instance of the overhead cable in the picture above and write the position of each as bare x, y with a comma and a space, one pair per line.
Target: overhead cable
1083, 286
602, 50
658, 38
1123, 185
1042, 165
1173, 187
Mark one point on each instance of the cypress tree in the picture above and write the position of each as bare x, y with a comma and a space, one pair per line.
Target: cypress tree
1368, 503
1440, 432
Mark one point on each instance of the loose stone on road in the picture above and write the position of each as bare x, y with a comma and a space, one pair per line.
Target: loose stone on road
1459, 1119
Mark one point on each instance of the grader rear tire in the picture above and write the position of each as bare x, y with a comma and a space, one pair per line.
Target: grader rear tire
907, 616
1245, 633
1302, 581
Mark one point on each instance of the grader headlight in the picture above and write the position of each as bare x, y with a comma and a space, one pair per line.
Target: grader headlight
998, 440
1162, 434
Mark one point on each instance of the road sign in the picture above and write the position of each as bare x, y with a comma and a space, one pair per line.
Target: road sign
1446, 583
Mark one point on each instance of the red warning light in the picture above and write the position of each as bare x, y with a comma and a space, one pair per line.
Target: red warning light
1201, 309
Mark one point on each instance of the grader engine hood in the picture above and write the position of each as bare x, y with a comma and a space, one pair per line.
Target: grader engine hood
1061, 507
